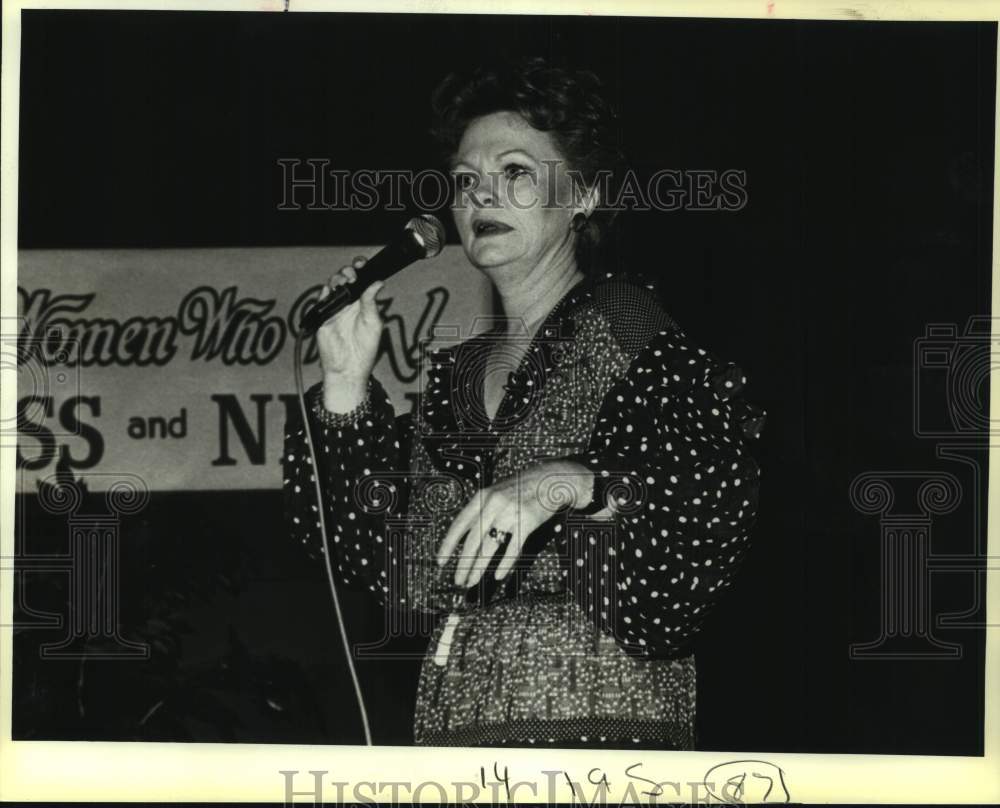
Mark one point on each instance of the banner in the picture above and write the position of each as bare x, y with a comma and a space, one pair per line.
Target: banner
176, 365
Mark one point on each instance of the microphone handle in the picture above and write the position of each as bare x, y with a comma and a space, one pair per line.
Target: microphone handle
396, 255
323, 310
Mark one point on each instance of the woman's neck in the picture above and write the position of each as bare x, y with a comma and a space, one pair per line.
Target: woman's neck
530, 303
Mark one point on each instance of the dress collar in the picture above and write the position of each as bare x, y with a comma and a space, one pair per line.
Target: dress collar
455, 429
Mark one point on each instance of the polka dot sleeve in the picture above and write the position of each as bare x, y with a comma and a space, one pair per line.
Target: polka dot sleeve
670, 459
362, 474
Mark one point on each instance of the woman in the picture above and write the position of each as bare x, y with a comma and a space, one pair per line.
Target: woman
575, 491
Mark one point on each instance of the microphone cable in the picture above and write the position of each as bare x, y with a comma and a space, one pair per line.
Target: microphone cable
300, 389
423, 237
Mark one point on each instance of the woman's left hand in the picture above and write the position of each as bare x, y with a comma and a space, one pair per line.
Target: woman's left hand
517, 505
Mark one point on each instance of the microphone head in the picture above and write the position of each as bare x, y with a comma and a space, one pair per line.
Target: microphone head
429, 233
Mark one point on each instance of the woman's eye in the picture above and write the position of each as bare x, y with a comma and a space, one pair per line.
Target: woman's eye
514, 170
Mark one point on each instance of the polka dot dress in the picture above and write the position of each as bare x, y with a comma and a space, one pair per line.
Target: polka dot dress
588, 641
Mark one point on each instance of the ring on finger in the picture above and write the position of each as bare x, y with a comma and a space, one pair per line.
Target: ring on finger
495, 537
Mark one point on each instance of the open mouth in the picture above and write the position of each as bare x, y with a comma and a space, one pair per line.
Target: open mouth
489, 227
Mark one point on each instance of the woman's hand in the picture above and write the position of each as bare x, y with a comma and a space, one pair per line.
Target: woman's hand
348, 342
518, 506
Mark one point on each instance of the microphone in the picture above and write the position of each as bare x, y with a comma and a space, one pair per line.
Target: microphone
423, 237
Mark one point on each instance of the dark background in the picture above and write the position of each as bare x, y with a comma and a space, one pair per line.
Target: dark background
868, 149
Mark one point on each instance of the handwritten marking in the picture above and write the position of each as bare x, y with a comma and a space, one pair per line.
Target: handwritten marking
653, 783
766, 783
504, 779
603, 778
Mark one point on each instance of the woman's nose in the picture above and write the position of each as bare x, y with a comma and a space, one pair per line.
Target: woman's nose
481, 192
488, 190
484, 194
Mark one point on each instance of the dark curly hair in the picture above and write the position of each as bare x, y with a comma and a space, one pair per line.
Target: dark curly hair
569, 104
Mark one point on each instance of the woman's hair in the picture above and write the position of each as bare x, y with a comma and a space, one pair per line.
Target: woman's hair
568, 104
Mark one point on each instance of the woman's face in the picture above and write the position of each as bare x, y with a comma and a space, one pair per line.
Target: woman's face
514, 200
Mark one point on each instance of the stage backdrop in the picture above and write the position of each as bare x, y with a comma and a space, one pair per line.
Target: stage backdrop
176, 365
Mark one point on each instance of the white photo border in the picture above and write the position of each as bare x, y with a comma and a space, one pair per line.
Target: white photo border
200, 772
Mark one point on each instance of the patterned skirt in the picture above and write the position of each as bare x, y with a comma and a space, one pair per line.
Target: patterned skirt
534, 671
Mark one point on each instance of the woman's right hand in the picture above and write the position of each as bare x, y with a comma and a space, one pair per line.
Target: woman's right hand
348, 342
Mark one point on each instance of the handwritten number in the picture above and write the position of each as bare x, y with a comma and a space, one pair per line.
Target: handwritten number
770, 783
738, 782
505, 779
653, 783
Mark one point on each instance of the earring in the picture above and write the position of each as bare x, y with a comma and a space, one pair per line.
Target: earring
579, 222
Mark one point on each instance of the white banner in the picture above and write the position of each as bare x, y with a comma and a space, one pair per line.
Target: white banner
176, 365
